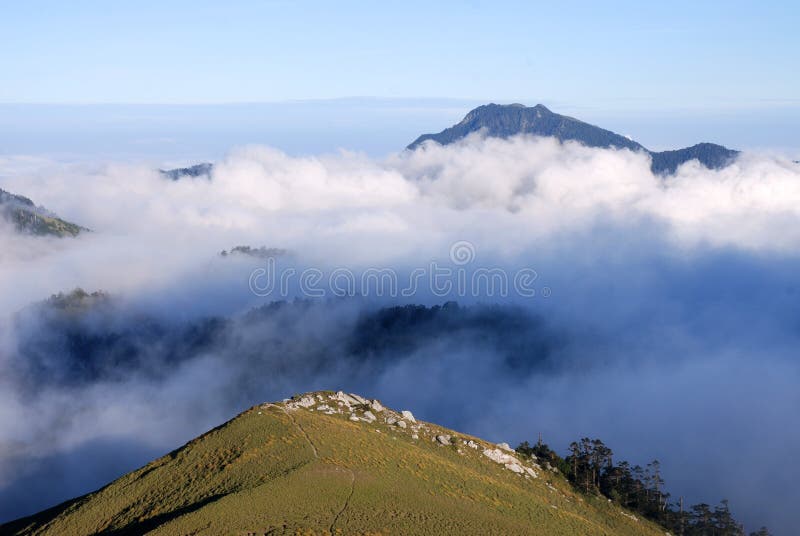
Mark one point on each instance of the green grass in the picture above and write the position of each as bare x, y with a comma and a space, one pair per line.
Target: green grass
274, 470
42, 225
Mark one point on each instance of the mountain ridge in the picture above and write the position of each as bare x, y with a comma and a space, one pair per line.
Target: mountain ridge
27, 217
203, 169
333, 463
505, 120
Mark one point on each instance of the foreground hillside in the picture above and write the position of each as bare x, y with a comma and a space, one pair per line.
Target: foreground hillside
332, 463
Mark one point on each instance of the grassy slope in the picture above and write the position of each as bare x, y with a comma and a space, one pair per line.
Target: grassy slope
41, 224
274, 470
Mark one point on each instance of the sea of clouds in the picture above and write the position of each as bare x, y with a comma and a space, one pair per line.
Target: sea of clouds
671, 309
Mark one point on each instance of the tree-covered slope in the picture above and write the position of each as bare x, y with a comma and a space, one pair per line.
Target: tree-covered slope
710, 155
332, 463
203, 169
26, 217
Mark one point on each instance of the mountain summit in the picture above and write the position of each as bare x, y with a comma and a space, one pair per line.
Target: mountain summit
337, 463
503, 121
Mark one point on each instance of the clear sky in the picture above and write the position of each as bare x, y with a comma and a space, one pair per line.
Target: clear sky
308, 76
625, 54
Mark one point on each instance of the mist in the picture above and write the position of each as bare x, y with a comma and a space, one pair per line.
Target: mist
663, 317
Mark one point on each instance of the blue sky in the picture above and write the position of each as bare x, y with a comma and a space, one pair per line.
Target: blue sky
668, 74
626, 54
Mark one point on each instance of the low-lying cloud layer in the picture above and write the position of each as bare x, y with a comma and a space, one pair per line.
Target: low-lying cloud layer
669, 328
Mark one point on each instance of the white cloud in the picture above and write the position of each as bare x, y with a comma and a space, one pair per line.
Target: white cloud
638, 264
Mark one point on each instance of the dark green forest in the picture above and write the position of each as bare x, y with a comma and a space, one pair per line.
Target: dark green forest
589, 466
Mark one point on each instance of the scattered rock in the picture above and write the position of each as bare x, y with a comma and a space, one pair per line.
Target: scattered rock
509, 462
497, 455
626, 514
521, 470
515, 467
503, 454
443, 439
347, 399
304, 402
359, 400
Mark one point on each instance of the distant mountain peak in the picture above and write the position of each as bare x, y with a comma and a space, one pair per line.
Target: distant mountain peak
202, 169
710, 155
506, 120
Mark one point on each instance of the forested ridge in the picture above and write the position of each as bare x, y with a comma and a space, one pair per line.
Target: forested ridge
589, 466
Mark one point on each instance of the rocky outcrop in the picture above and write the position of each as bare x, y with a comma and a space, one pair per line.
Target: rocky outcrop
501, 456
443, 439
359, 409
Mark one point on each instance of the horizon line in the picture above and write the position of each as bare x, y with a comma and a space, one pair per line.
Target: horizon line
715, 104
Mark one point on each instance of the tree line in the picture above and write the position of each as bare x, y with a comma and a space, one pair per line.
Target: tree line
589, 466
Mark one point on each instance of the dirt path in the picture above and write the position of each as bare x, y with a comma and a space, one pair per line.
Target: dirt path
316, 456
299, 427
346, 502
